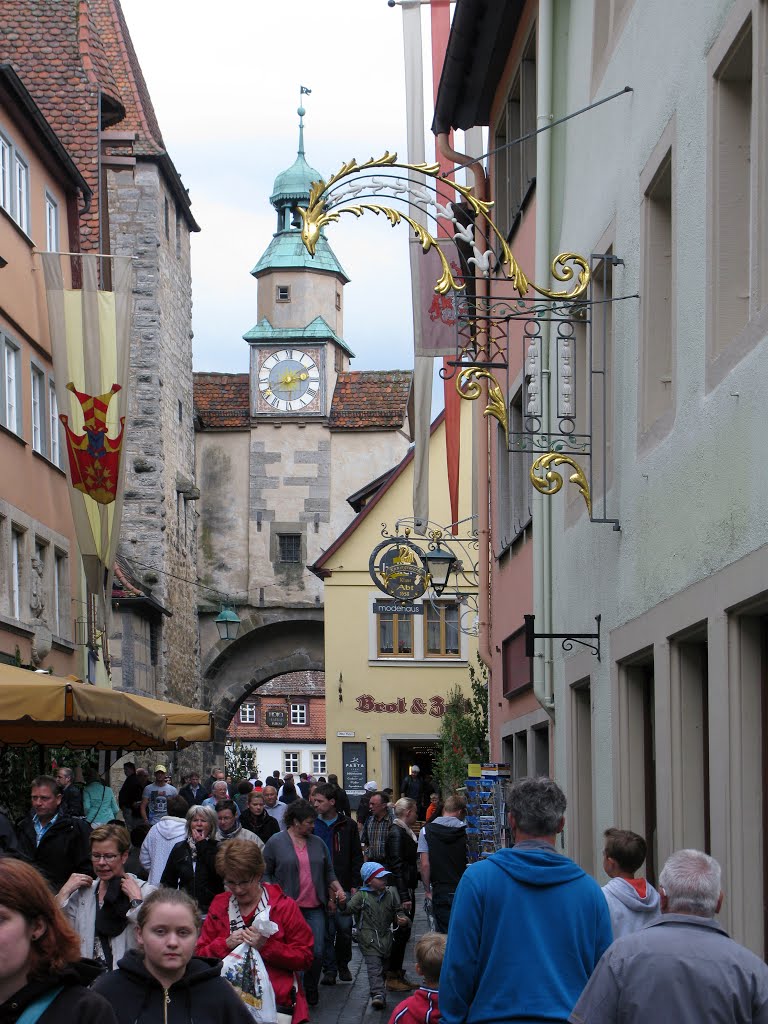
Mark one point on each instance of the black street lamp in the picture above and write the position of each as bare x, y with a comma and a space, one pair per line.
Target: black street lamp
440, 565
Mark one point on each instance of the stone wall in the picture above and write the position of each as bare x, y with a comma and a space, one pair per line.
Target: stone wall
159, 520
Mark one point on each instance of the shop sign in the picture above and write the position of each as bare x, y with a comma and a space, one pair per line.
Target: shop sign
434, 706
397, 608
397, 568
276, 718
354, 764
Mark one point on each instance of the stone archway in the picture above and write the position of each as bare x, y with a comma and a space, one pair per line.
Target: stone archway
271, 643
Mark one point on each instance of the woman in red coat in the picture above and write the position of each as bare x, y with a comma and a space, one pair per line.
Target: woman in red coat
231, 914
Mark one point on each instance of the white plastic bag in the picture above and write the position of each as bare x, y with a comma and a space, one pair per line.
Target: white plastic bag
246, 972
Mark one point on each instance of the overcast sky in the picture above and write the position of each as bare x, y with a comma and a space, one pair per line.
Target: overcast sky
224, 79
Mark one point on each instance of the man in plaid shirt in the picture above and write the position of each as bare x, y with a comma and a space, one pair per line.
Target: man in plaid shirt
374, 837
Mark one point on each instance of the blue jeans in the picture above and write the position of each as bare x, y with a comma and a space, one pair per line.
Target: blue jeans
338, 942
315, 918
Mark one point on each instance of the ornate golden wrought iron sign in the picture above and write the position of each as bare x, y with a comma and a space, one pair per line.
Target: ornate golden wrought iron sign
482, 322
396, 567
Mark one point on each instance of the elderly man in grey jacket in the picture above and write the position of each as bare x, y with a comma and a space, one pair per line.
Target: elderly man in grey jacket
683, 968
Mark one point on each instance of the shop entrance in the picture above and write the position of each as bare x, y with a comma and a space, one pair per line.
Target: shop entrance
406, 753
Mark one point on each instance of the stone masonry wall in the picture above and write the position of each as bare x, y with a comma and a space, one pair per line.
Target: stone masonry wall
159, 519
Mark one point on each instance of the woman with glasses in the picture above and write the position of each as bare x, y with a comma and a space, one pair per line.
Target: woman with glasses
103, 912
41, 974
231, 916
191, 864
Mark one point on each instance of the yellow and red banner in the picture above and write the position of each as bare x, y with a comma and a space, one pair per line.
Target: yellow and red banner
90, 339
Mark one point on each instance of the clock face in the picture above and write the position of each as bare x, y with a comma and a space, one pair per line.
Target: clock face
289, 380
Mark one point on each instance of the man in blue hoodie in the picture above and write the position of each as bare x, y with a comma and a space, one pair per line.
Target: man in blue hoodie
528, 926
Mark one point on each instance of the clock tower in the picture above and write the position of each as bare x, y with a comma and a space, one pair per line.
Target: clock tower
297, 346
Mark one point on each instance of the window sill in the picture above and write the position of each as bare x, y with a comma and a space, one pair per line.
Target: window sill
17, 227
417, 662
62, 644
13, 434
14, 625
44, 458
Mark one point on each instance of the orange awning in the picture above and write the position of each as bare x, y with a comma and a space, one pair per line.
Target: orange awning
56, 711
183, 725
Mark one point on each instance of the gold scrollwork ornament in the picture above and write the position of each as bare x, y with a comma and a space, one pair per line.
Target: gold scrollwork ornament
553, 481
468, 386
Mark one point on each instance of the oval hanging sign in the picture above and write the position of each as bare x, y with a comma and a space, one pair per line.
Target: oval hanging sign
397, 567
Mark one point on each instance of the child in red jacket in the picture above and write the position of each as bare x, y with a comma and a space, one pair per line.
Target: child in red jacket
422, 1007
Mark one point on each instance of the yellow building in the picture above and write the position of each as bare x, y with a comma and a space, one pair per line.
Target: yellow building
388, 674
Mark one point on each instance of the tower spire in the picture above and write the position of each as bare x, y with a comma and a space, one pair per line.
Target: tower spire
303, 91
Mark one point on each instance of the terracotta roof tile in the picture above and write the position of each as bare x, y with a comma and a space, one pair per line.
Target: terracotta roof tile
371, 400
294, 684
222, 400
68, 53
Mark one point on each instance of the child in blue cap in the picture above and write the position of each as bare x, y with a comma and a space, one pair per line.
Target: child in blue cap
377, 909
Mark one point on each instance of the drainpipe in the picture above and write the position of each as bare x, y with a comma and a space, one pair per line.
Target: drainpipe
481, 439
543, 669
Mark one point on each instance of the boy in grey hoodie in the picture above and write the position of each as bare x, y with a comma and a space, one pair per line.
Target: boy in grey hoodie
633, 902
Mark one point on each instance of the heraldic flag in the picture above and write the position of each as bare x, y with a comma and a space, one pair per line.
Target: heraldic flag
90, 338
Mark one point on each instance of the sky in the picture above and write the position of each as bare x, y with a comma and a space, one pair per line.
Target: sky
224, 79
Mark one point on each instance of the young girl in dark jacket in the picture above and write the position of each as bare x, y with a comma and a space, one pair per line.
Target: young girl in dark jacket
161, 982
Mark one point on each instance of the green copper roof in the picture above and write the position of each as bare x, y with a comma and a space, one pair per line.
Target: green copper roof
297, 180
318, 330
287, 251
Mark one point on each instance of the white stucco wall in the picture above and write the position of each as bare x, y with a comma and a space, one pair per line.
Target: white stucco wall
693, 501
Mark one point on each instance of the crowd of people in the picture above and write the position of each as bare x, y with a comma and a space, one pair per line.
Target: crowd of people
232, 901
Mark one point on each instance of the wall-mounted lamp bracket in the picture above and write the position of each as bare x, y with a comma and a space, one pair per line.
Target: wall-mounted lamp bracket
589, 640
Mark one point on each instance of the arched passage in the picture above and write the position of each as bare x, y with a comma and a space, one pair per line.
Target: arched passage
271, 643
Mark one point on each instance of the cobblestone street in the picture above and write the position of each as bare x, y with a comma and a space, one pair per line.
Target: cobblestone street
350, 1004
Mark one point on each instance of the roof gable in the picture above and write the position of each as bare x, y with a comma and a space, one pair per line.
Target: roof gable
371, 400
222, 401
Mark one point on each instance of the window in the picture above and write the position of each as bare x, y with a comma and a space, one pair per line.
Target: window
21, 190
731, 201
59, 592
581, 775
290, 547
441, 623
38, 410
5, 174
51, 224
298, 714
517, 667
515, 165
395, 633
11, 403
283, 293
520, 487
166, 219
14, 183
248, 714
610, 16
55, 425
17, 545
178, 232
291, 759
319, 763
338, 300
181, 411
657, 391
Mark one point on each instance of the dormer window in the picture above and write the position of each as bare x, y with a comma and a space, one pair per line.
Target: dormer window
283, 293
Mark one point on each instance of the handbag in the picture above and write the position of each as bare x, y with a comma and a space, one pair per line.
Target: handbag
244, 969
